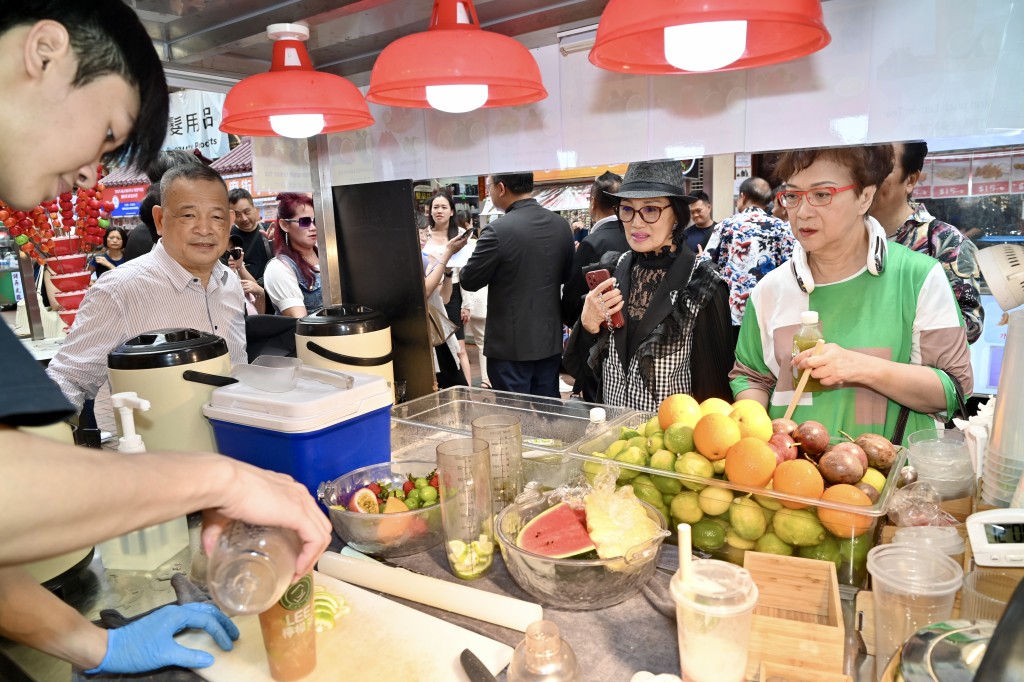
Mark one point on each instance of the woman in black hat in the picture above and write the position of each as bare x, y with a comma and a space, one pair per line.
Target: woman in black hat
677, 335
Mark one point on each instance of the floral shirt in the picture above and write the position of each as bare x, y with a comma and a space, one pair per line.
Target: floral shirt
745, 248
958, 256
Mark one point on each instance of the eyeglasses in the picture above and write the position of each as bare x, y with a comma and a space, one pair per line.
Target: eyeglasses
304, 222
648, 214
820, 196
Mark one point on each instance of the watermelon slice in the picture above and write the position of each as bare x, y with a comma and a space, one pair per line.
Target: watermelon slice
558, 533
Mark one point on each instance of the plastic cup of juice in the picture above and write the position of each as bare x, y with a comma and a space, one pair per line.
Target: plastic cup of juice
714, 605
289, 632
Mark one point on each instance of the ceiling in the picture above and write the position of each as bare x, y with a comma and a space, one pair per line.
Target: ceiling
217, 38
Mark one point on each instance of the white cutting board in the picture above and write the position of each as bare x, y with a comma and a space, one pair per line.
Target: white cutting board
379, 639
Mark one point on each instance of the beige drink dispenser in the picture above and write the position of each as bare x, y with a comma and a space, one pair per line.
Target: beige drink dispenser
347, 338
154, 365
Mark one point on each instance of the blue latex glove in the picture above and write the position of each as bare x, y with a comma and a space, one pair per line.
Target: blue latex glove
148, 643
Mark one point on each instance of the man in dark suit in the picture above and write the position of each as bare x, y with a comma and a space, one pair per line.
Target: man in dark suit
524, 257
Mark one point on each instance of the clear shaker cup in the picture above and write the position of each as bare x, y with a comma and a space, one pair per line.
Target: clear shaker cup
504, 437
464, 473
251, 567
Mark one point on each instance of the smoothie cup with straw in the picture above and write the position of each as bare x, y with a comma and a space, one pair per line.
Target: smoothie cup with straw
714, 603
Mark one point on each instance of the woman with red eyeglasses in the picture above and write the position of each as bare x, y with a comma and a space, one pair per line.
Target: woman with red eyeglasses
292, 277
895, 352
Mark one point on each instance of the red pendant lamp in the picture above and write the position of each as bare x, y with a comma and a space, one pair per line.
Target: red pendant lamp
293, 99
679, 36
455, 66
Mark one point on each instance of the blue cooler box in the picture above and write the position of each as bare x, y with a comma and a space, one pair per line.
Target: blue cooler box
314, 432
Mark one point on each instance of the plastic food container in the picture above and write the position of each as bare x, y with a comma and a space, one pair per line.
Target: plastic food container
311, 432
574, 584
846, 537
384, 535
945, 539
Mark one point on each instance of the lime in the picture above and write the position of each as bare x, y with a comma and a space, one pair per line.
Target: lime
715, 500
798, 527
694, 464
628, 433
615, 448
719, 466
855, 550
768, 502
457, 549
826, 550
662, 459
652, 426
634, 456
638, 442
771, 544
733, 539
667, 485
707, 535
747, 519
641, 430
644, 489
679, 438
655, 443
685, 508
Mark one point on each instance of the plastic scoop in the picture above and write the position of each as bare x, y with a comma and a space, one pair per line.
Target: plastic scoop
270, 373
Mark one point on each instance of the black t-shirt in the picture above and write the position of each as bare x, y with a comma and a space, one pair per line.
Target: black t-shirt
698, 236
257, 250
32, 399
140, 242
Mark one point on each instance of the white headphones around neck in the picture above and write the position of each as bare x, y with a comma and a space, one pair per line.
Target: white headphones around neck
878, 250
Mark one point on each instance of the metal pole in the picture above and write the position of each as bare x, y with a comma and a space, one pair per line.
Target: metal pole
323, 210
28, 286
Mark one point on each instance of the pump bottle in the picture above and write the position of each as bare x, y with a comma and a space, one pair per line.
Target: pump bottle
544, 657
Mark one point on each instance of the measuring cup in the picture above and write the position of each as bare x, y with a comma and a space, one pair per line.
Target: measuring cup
504, 436
464, 473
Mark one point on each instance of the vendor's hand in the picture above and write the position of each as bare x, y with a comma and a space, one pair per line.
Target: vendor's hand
148, 643
464, 315
456, 244
600, 304
833, 365
250, 287
267, 498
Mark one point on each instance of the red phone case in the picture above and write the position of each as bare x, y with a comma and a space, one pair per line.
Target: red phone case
595, 277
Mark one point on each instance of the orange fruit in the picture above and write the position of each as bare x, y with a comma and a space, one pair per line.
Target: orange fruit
845, 524
798, 477
750, 462
714, 434
678, 408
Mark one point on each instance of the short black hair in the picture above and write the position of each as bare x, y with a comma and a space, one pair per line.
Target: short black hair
757, 190
912, 158
239, 193
107, 38
515, 183
604, 183
701, 195
167, 160
151, 199
190, 171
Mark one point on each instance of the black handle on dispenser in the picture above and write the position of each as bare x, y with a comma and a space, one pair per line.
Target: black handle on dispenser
208, 379
347, 359
1004, 652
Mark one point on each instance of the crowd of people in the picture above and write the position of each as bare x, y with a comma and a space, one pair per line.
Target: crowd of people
660, 299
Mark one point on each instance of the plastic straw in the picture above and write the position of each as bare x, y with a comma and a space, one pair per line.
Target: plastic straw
685, 551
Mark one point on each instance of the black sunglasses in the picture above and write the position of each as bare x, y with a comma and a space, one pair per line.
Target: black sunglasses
304, 222
235, 253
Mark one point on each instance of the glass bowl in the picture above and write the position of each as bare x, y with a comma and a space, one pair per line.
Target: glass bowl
573, 584
383, 535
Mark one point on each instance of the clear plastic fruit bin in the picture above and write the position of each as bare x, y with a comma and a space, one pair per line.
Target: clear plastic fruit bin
573, 584
846, 536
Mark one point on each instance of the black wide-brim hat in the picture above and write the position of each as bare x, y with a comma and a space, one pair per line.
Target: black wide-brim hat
650, 179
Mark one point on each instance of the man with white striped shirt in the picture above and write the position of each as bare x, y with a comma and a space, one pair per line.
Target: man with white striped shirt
180, 283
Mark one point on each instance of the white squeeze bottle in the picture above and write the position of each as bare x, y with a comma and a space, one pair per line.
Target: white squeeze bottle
146, 549
543, 657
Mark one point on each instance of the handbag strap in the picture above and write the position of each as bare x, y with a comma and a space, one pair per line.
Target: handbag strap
901, 420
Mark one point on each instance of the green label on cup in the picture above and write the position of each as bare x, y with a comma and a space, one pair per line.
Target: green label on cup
297, 594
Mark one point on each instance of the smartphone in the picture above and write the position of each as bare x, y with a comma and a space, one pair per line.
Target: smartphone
595, 277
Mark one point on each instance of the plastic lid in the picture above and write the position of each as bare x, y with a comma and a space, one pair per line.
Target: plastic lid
597, 414
167, 348
946, 539
715, 587
809, 317
342, 320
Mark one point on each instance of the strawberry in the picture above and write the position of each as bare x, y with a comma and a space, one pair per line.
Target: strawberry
375, 487
433, 481
407, 486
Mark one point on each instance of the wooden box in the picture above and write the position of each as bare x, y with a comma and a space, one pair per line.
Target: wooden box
775, 672
798, 621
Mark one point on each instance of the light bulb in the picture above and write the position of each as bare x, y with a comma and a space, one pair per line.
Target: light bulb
456, 99
297, 125
706, 46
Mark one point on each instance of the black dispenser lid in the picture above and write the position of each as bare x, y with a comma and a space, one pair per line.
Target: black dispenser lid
167, 348
342, 320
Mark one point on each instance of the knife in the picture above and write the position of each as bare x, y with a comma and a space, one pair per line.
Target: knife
475, 668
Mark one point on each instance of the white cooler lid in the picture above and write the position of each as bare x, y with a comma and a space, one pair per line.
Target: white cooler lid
317, 401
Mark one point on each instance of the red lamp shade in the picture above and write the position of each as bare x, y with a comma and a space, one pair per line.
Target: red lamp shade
455, 53
293, 88
631, 37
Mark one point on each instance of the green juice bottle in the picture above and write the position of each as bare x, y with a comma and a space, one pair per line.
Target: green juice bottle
805, 339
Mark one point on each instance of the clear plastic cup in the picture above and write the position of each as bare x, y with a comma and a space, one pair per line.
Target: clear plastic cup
504, 437
941, 458
985, 594
913, 587
464, 470
714, 606
945, 539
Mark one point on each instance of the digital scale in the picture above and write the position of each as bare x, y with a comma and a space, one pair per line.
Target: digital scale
997, 537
